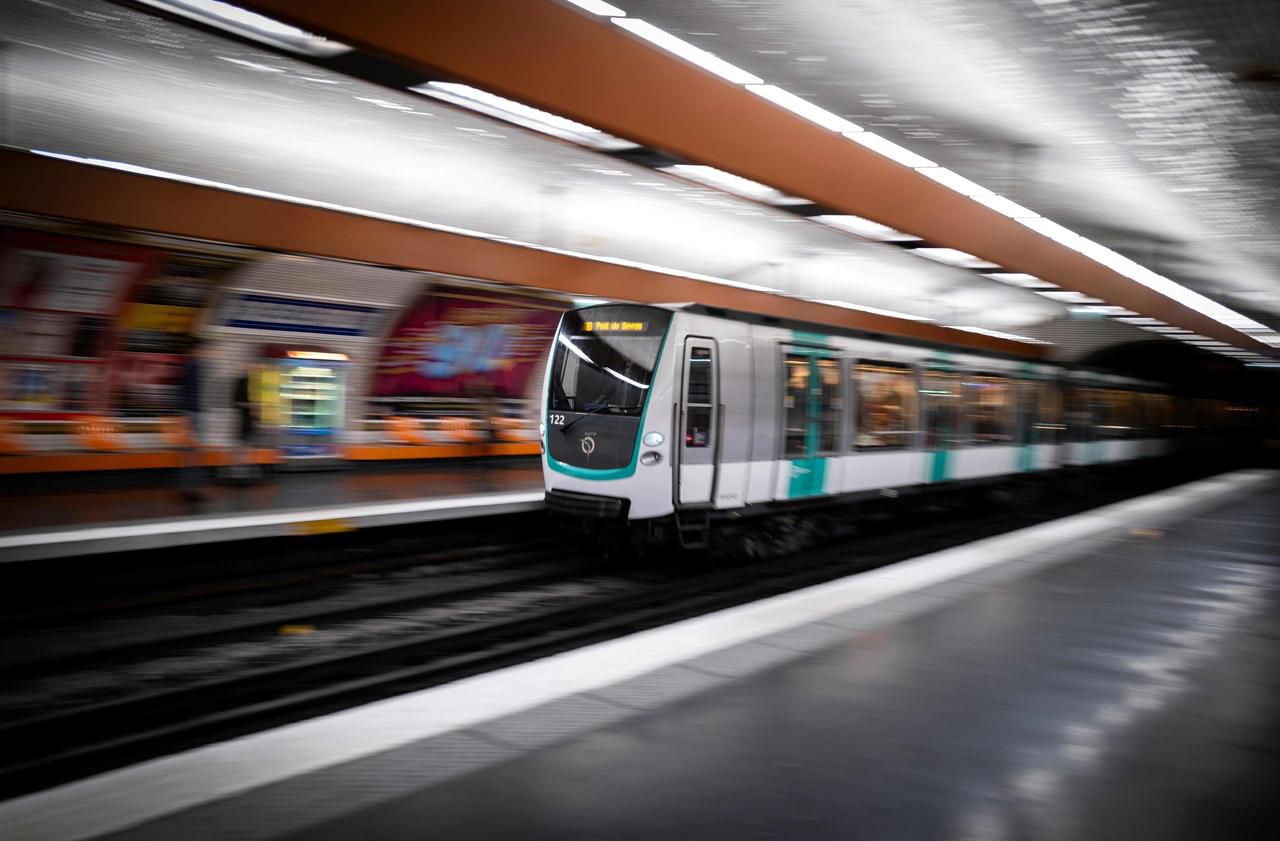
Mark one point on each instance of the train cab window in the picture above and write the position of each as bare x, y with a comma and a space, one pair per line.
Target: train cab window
832, 404
795, 404
943, 416
886, 405
988, 402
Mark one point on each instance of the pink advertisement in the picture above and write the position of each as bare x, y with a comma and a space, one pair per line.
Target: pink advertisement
453, 340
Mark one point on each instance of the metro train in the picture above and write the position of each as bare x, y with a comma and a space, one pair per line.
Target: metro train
673, 424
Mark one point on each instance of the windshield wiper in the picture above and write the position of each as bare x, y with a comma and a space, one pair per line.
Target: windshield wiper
600, 408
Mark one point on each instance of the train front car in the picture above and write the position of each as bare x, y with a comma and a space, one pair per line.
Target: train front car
607, 425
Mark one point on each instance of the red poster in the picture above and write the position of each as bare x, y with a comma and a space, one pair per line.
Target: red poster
59, 299
454, 338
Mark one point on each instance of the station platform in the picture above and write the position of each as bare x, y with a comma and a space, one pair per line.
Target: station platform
88, 516
1110, 675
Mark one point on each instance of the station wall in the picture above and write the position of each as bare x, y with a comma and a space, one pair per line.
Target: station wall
98, 322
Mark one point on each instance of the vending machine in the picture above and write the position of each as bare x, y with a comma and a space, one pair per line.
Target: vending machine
300, 391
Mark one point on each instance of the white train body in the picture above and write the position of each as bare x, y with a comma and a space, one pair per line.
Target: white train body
651, 411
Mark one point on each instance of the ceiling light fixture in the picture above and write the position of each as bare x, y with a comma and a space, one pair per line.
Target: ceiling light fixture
1066, 296
1021, 280
599, 7
889, 149
735, 184
1005, 207
954, 257
520, 114
695, 55
1013, 337
804, 108
954, 181
251, 25
865, 228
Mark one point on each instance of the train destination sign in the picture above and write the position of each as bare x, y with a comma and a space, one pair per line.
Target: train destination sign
613, 326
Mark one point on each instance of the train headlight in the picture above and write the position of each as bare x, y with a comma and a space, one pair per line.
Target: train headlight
542, 430
650, 458
653, 439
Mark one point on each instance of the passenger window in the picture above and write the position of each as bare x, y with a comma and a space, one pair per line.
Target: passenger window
943, 416
886, 405
832, 404
796, 404
988, 401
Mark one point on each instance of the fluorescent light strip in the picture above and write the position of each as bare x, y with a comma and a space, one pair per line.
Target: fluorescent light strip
1104, 309
735, 184
599, 7
1013, 337
1005, 207
695, 55
954, 181
864, 228
520, 114
1023, 281
889, 149
260, 28
954, 257
805, 108
1066, 296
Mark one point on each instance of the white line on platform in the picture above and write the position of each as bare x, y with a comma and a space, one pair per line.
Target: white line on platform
130, 796
244, 521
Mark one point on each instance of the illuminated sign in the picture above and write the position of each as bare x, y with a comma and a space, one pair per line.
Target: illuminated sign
613, 326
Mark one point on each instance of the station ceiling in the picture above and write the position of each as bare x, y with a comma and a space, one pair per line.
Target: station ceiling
1048, 80
1030, 99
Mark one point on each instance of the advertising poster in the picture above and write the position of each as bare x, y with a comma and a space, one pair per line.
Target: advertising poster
455, 339
59, 299
155, 329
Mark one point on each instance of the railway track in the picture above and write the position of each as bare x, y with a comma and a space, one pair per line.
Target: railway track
537, 605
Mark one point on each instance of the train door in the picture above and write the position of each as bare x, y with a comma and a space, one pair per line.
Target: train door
812, 406
699, 415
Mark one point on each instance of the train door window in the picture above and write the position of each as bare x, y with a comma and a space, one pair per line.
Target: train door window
1050, 426
886, 408
988, 402
699, 398
832, 403
1028, 413
942, 409
795, 404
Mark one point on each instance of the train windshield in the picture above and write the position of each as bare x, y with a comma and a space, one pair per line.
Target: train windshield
605, 357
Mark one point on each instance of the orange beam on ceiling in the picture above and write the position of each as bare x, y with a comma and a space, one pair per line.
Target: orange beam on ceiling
44, 186
547, 54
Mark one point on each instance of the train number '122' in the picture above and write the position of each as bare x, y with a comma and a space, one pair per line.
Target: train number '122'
556, 420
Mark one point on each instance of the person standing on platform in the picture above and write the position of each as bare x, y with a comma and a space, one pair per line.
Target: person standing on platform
190, 467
